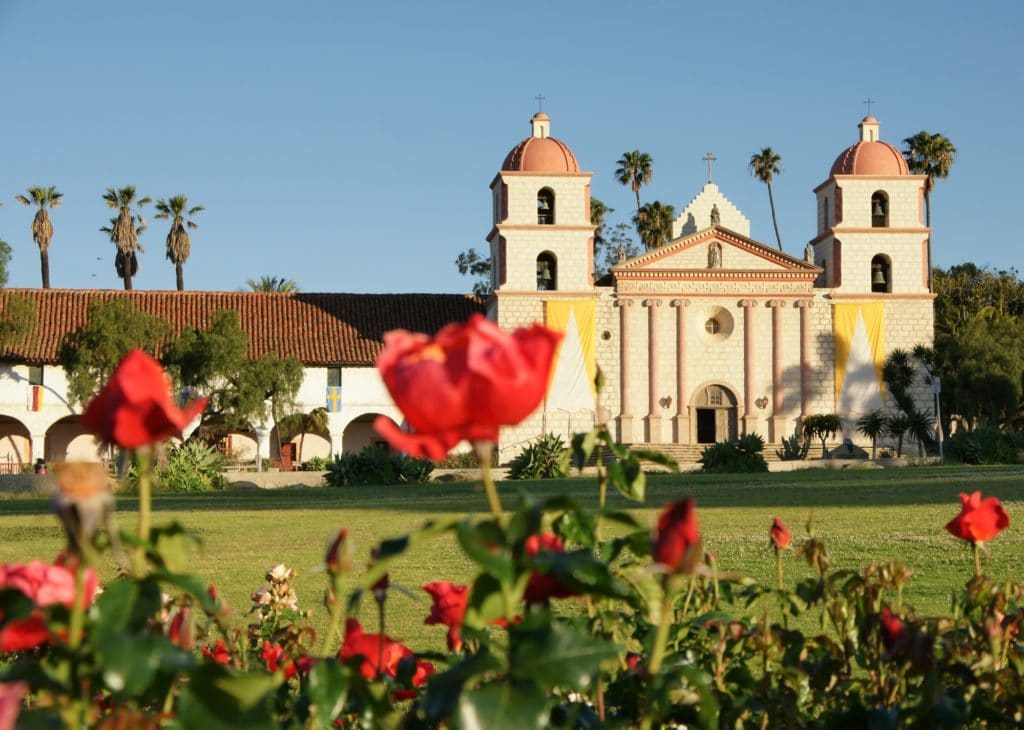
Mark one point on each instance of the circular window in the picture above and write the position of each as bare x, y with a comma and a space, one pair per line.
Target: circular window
719, 323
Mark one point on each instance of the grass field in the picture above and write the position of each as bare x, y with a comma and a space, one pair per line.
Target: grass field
864, 515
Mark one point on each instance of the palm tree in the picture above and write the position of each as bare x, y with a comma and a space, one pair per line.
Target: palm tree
765, 165
823, 426
124, 230
272, 284
42, 228
654, 223
897, 428
873, 425
179, 245
635, 169
931, 155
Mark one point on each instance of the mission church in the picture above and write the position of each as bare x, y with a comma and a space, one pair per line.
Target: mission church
708, 337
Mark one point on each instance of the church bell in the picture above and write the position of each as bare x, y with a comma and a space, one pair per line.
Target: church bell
878, 277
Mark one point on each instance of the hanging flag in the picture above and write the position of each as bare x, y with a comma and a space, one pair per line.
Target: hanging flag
35, 398
572, 379
334, 399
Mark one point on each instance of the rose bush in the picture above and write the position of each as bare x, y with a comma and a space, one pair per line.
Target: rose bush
647, 630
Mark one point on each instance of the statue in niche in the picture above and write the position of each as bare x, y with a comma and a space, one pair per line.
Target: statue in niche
716, 217
809, 254
620, 251
714, 255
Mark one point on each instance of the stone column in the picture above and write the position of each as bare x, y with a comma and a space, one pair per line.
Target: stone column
654, 420
778, 421
38, 446
626, 434
750, 417
681, 421
804, 306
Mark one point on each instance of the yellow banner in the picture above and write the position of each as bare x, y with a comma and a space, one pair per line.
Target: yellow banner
577, 319
844, 330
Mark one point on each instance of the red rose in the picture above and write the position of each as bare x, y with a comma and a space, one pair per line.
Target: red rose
892, 630
779, 534
677, 543
979, 520
271, 654
374, 648
543, 587
135, 407
464, 383
218, 653
449, 609
338, 558
46, 585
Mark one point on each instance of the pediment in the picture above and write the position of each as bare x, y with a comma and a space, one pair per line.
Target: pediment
715, 253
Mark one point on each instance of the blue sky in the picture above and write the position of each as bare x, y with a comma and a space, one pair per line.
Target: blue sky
349, 146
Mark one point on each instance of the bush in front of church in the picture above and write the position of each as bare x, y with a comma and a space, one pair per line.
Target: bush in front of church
546, 458
740, 456
376, 465
988, 445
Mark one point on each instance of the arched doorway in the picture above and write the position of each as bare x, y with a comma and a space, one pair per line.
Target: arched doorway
15, 445
359, 433
295, 447
66, 440
715, 414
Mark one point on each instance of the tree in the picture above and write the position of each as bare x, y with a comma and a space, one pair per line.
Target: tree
897, 427
823, 426
124, 230
615, 242
765, 165
240, 392
931, 155
179, 244
42, 227
114, 328
635, 169
314, 421
272, 284
473, 263
873, 425
654, 224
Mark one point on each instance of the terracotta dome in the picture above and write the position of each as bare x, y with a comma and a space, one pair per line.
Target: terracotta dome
870, 156
540, 152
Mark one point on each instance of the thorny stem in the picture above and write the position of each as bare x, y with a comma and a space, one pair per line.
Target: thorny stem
380, 642
778, 569
335, 615
977, 560
483, 450
660, 640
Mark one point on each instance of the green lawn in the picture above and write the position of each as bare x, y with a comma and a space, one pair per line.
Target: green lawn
865, 516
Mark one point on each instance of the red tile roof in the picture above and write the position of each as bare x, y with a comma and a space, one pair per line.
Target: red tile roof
318, 329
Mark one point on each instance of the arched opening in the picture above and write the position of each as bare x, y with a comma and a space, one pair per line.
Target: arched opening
66, 440
546, 207
547, 272
714, 414
296, 443
15, 446
881, 274
360, 433
879, 209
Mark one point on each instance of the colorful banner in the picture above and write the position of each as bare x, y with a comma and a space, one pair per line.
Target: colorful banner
334, 399
859, 332
35, 397
575, 366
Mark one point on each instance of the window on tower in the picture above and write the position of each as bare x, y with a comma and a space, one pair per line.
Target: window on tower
879, 210
546, 207
547, 272
881, 274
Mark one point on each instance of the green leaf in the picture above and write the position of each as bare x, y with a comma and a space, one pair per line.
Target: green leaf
388, 550
557, 655
172, 545
656, 457
445, 689
328, 690
486, 602
582, 572
484, 544
628, 478
131, 662
583, 445
501, 706
190, 584
125, 607
215, 699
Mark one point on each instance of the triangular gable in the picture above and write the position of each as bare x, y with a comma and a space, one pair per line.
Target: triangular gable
692, 257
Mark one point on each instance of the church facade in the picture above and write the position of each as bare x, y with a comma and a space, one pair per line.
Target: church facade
714, 334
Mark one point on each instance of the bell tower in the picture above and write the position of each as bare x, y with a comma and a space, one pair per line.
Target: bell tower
871, 236
542, 238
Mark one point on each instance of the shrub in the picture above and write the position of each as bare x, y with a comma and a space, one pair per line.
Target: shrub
546, 458
194, 466
986, 445
376, 465
738, 457
794, 448
315, 463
